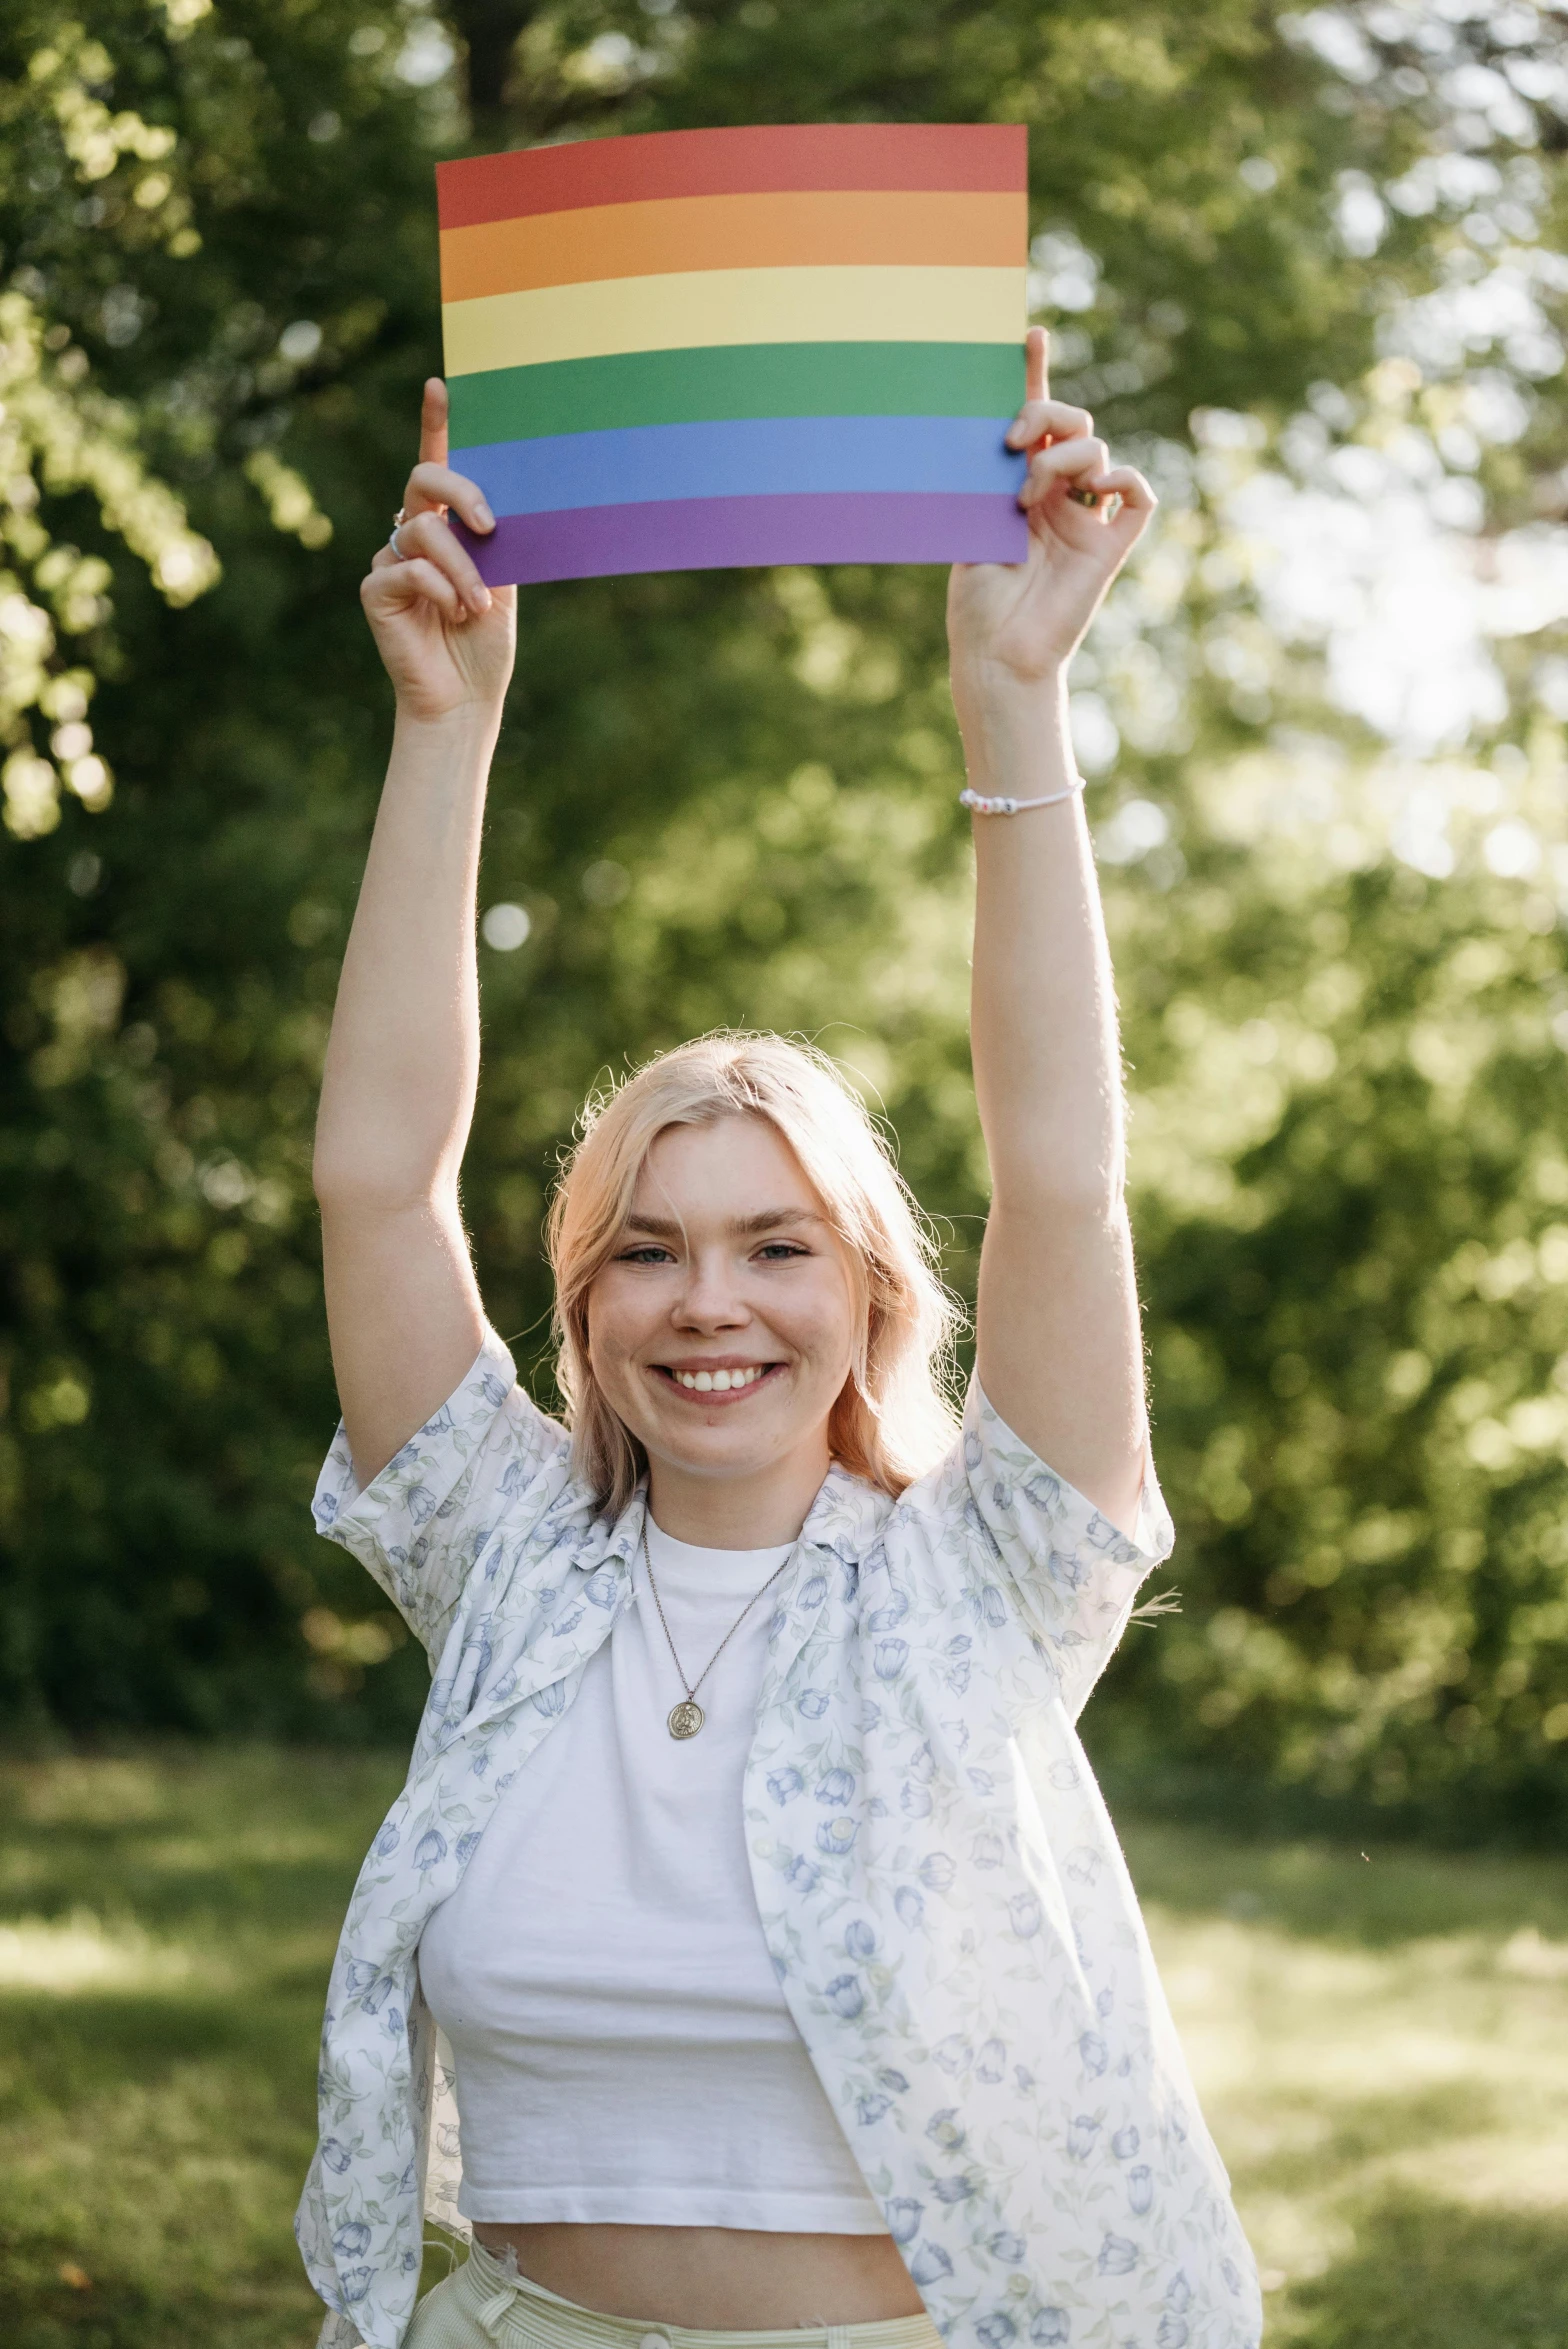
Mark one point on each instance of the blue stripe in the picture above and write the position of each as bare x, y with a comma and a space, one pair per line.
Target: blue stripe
747, 457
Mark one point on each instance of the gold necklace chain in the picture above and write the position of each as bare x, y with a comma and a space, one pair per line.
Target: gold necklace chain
685, 1719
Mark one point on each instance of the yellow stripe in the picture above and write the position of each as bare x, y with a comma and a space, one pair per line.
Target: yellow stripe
690, 308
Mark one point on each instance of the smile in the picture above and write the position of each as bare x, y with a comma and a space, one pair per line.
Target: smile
728, 1381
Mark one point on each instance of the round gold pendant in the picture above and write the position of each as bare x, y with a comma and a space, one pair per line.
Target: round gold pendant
686, 1718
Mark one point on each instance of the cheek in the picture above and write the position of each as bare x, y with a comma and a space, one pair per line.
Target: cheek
825, 1328
611, 1330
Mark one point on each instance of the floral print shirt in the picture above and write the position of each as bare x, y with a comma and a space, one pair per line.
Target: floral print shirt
939, 1883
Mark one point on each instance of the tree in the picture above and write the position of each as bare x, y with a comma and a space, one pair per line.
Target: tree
1235, 211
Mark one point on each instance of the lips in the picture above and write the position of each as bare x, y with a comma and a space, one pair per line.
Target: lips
724, 1379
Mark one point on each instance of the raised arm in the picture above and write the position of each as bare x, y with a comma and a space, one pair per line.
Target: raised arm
397, 1097
1060, 1344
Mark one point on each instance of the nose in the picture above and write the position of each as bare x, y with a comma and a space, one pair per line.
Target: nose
709, 1298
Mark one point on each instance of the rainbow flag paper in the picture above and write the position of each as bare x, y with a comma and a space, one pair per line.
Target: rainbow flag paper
694, 349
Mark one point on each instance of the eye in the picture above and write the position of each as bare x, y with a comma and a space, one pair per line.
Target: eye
780, 1251
649, 1252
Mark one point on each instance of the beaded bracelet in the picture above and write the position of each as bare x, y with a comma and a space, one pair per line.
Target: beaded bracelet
979, 805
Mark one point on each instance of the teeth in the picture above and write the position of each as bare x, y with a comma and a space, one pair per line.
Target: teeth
717, 1382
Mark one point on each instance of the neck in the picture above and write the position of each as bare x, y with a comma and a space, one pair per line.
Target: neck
758, 1511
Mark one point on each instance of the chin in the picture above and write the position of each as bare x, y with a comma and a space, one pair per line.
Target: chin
719, 1452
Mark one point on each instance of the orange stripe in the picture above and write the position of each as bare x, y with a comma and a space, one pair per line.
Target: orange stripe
801, 229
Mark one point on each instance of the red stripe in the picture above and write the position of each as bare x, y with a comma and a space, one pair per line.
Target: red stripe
980, 157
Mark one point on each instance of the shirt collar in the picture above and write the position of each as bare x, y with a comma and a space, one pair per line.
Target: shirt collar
844, 1519
846, 1516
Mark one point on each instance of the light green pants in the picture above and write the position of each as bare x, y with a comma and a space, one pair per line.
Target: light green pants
483, 2306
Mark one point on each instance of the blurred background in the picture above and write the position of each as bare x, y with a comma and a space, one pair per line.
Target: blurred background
1307, 268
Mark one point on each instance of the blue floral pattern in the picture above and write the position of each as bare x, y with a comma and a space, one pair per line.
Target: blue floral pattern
940, 1885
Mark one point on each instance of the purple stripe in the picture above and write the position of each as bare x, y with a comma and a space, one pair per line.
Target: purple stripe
716, 534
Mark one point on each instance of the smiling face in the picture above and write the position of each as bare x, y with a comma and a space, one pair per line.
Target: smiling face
722, 1330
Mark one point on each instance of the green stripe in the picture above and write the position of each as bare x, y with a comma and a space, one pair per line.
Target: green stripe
736, 380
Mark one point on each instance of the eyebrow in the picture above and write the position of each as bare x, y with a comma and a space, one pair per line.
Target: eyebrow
743, 1227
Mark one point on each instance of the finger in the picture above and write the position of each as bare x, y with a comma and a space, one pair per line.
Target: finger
1124, 499
1075, 461
431, 488
401, 587
405, 584
1041, 419
1035, 363
432, 423
1129, 485
427, 536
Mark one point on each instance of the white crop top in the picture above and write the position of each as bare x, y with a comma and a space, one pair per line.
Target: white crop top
623, 2052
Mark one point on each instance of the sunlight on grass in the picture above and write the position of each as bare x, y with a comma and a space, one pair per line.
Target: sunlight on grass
1381, 2047
1381, 2044
166, 1924
84, 1953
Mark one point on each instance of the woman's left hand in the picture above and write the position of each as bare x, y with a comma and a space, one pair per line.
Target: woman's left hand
1022, 622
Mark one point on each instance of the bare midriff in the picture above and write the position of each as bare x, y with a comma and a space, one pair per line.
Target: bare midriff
712, 2279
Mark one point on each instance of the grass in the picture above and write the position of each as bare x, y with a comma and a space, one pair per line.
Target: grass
1381, 2043
166, 1925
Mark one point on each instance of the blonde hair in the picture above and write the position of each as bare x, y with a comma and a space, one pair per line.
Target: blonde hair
893, 1419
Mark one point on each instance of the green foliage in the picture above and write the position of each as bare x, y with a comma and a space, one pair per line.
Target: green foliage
1352, 1187
729, 797
167, 980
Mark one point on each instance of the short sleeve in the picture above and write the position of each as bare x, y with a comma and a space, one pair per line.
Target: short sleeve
1074, 1573
420, 1524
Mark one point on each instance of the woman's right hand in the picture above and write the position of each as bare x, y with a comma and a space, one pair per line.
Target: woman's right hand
447, 640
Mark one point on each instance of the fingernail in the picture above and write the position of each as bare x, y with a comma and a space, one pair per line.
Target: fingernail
483, 516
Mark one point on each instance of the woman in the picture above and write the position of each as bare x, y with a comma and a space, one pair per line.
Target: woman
748, 1859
